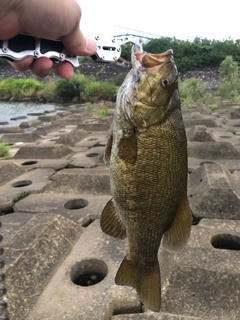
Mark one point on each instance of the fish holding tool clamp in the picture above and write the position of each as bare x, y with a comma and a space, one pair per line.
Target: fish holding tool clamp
23, 45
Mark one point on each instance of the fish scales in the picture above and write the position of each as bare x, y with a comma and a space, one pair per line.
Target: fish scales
148, 173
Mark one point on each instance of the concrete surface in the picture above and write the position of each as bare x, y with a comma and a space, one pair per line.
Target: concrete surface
52, 194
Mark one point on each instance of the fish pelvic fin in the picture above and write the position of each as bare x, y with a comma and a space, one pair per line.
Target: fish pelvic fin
108, 150
176, 237
147, 282
110, 222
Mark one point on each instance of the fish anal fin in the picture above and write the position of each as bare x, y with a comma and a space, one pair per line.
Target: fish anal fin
127, 146
147, 282
107, 153
176, 237
110, 222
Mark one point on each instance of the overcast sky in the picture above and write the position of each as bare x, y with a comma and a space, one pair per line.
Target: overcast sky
184, 19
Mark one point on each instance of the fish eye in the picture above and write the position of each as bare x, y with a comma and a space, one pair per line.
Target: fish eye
165, 83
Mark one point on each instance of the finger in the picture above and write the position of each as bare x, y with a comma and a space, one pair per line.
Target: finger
22, 65
64, 70
42, 67
79, 45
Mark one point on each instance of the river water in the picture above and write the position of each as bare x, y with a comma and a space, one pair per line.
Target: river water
9, 111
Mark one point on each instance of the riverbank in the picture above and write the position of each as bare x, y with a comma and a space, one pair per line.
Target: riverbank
208, 76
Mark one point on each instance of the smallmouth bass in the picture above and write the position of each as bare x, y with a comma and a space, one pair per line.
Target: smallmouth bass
148, 173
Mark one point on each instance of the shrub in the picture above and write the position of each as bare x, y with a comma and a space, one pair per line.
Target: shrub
68, 89
7, 88
228, 69
3, 61
29, 87
4, 150
85, 59
119, 78
208, 98
18, 88
188, 102
191, 89
101, 90
48, 90
230, 82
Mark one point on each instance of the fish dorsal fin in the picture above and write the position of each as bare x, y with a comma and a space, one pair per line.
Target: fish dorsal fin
176, 237
108, 150
110, 222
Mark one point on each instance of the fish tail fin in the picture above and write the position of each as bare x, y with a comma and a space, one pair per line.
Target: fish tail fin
147, 282
176, 237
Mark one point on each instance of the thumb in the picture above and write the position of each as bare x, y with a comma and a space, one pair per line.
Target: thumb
78, 44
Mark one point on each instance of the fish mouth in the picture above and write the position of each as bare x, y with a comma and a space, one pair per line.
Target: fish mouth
148, 60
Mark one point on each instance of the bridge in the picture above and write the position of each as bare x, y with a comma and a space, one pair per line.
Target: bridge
137, 34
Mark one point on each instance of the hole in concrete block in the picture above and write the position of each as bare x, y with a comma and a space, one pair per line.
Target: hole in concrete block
226, 241
195, 220
88, 272
91, 155
22, 183
76, 204
87, 223
206, 162
7, 210
29, 163
127, 310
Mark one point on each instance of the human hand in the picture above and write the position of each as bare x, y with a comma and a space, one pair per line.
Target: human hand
49, 19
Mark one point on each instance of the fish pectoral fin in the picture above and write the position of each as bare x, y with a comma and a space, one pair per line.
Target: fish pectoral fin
146, 281
127, 147
108, 150
110, 222
176, 237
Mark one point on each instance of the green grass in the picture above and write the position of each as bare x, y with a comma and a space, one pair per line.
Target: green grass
22, 194
213, 106
89, 89
78, 86
191, 89
102, 112
232, 130
19, 88
101, 90
4, 151
89, 106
